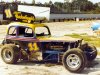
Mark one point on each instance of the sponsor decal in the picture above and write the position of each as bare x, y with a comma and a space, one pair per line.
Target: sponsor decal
18, 16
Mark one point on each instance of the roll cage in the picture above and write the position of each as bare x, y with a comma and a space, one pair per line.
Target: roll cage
25, 31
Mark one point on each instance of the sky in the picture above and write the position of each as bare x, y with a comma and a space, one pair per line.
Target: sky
94, 1
43, 1
29, 1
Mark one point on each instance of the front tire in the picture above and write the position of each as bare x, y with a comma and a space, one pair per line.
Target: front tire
74, 60
90, 50
10, 53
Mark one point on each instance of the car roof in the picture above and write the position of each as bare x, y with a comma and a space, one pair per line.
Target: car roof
26, 24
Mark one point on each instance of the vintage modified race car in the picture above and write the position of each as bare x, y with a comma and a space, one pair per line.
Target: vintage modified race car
34, 42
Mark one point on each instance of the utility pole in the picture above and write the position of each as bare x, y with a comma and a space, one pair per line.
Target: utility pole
33, 1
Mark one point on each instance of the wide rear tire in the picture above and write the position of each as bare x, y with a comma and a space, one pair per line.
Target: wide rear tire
10, 53
74, 60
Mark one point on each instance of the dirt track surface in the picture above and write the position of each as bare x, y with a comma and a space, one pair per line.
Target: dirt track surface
34, 68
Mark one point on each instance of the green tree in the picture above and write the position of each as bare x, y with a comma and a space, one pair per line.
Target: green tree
67, 7
50, 2
83, 5
59, 5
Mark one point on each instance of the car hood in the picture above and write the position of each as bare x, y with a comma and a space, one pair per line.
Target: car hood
56, 38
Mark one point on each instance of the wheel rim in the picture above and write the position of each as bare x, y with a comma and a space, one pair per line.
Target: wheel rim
73, 61
7, 55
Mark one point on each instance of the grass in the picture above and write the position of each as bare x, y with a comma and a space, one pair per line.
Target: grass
90, 39
49, 64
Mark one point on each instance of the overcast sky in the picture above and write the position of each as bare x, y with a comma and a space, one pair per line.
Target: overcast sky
43, 1
94, 1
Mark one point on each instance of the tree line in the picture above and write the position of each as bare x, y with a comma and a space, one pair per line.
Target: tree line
77, 6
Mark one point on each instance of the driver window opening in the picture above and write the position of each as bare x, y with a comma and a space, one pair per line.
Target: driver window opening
25, 32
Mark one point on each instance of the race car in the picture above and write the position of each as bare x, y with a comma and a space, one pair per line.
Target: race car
34, 42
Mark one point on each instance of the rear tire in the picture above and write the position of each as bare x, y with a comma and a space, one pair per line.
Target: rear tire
74, 60
10, 53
